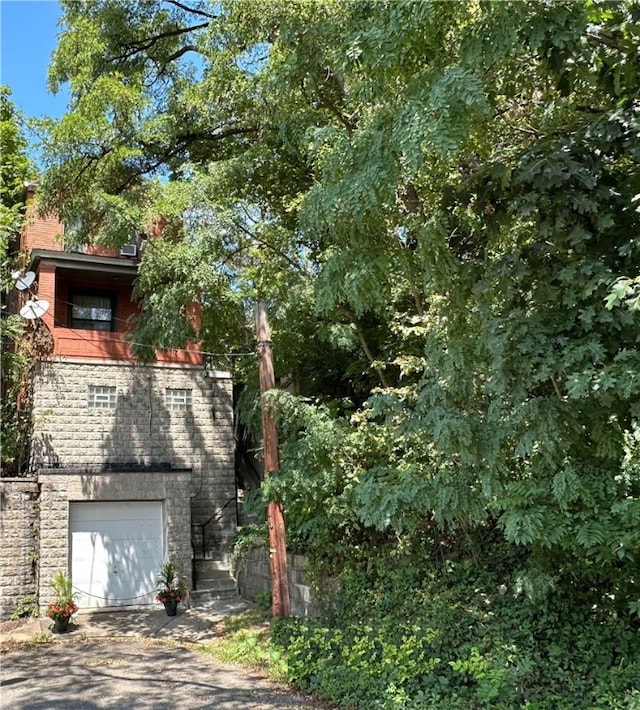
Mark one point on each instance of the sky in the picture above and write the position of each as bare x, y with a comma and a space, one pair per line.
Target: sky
28, 36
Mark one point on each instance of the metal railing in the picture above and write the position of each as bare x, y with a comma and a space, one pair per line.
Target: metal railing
213, 519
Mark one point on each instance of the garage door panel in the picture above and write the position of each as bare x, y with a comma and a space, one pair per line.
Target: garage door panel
117, 549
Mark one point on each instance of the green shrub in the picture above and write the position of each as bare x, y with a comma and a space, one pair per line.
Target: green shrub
263, 600
460, 637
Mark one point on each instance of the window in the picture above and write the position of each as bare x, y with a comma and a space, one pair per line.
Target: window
102, 397
177, 399
91, 310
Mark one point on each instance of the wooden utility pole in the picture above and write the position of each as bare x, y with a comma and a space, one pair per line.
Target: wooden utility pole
275, 517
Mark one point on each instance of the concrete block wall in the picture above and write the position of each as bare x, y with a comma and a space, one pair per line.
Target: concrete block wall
142, 432
253, 576
19, 542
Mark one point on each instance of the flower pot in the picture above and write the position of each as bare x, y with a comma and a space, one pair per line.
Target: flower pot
60, 625
171, 607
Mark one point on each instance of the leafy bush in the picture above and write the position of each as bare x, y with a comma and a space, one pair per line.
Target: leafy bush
461, 636
26, 606
245, 539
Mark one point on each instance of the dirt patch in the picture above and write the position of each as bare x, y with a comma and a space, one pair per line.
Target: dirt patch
9, 626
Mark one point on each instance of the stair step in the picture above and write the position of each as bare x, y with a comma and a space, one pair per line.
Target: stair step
228, 583
212, 594
203, 564
221, 558
213, 580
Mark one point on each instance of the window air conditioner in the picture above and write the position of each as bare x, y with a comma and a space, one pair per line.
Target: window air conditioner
129, 250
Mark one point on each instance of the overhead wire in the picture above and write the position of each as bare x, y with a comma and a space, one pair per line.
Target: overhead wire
115, 339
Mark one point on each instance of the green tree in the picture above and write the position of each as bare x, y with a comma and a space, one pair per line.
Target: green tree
440, 200
13, 172
15, 169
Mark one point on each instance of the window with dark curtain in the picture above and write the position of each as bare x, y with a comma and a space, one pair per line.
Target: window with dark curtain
91, 311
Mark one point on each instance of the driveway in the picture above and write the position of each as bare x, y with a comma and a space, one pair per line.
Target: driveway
132, 675
132, 660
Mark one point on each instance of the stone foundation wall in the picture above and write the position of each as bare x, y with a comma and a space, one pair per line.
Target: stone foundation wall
142, 431
253, 575
18, 542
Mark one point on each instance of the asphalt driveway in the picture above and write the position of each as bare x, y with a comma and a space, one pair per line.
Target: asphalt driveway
135, 674
132, 659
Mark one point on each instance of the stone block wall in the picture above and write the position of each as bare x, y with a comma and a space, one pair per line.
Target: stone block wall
142, 432
253, 575
19, 542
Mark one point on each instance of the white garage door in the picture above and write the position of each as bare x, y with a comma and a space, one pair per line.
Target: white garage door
116, 551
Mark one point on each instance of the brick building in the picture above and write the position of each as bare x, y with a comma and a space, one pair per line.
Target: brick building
134, 463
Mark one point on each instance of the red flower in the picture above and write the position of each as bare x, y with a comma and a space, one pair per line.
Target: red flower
61, 610
168, 595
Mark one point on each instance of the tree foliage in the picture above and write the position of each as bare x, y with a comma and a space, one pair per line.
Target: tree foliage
14, 170
441, 201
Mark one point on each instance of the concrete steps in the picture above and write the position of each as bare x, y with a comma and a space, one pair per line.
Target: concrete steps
213, 580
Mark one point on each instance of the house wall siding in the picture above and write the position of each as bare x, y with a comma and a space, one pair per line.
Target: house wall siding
141, 432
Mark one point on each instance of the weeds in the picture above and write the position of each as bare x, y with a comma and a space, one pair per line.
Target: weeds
246, 639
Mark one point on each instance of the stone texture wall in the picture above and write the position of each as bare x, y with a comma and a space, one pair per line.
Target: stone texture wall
18, 542
58, 488
253, 575
142, 432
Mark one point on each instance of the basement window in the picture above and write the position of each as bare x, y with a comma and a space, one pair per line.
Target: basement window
178, 399
102, 397
91, 310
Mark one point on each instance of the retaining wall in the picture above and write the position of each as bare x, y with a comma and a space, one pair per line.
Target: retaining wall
19, 502
253, 575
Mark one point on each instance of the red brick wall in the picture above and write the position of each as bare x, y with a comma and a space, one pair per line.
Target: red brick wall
71, 342
41, 233
48, 233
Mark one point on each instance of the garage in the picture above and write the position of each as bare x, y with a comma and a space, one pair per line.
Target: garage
116, 551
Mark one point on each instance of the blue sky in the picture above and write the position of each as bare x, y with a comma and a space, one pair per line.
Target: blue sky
29, 32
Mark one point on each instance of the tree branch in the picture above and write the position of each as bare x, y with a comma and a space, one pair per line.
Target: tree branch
607, 39
365, 347
187, 138
192, 10
178, 54
335, 111
181, 142
135, 46
270, 247
367, 352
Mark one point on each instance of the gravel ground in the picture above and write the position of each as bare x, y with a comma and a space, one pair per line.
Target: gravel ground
131, 675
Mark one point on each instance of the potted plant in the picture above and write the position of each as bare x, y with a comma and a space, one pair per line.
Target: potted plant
172, 587
63, 607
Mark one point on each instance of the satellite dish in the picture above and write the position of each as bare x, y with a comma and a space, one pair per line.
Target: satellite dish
34, 309
23, 281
